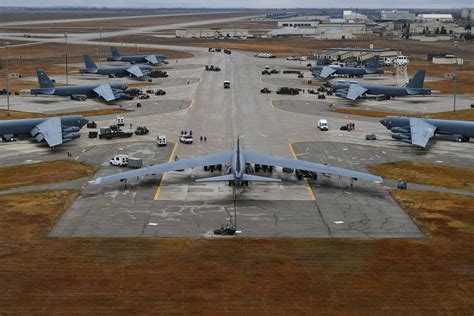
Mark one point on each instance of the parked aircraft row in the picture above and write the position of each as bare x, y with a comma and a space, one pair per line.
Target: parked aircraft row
52, 130
330, 70
354, 90
420, 131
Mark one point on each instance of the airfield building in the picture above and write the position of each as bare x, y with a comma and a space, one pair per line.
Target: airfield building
360, 54
397, 15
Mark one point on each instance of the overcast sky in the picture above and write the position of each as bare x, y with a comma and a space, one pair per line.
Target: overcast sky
244, 4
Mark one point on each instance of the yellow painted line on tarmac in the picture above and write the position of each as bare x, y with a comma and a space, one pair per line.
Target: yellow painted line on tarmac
158, 190
308, 186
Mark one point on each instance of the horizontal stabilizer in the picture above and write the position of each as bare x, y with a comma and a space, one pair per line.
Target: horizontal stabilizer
227, 177
249, 177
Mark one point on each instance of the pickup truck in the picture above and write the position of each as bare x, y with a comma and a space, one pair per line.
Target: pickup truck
186, 139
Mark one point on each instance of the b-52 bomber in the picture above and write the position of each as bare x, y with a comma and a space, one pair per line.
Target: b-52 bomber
354, 90
53, 130
330, 70
136, 59
108, 92
419, 131
238, 159
135, 71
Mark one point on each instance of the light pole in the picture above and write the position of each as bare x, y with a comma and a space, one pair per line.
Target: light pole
456, 44
67, 72
8, 78
100, 46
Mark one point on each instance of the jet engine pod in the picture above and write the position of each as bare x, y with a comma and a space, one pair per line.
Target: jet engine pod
400, 130
401, 136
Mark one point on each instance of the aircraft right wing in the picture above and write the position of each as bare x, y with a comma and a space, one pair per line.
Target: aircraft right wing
152, 59
327, 71
421, 131
270, 160
49, 130
136, 71
105, 91
200, 161
355, 91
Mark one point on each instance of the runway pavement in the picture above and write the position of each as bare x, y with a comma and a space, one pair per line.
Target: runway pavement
176, 206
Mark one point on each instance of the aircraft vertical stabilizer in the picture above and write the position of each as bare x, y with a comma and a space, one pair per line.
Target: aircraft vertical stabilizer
43, 79
417, 80
89, 62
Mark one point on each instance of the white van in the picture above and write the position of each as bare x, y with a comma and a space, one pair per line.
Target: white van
323, 125
120, 121
161, 140
119, 161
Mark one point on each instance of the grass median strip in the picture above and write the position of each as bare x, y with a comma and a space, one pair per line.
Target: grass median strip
43, 173
466, 114
427, 174
16, 115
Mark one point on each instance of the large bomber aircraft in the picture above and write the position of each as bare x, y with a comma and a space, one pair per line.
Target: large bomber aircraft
136, 71
136, 59
330, 70
53, 130
354, 90
238, 160
108, 92
419, 131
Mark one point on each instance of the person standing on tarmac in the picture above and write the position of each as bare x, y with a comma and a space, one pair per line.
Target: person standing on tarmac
205, 139
200, 138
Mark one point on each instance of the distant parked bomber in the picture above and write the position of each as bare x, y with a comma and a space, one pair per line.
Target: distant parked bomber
354, 90
419, 131
108, 92
54, 130
330, 70
136, 59
135, 71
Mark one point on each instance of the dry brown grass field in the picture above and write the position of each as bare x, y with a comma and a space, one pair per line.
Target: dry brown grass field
43, 173
58, 276
426, 173
115, 24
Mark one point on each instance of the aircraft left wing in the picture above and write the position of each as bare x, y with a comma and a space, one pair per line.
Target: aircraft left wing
355, 91
136, 71
105, 91
270, 160
49, 130
327, 71
421, 131
200, 161
152, 59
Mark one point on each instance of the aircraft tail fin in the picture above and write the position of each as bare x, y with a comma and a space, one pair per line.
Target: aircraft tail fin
417, 80
374, 62
89, 62
115, 52
43, 79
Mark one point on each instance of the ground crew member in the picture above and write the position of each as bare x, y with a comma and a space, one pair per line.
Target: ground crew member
205, 138
201, 138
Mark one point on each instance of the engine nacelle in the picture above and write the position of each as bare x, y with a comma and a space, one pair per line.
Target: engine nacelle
79, 97
70, 129
401, 136
71, 136
400, 130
